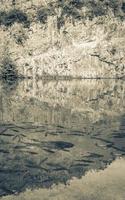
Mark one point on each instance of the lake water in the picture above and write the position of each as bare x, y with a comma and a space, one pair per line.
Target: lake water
53, 131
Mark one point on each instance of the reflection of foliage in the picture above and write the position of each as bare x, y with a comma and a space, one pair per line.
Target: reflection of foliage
9, 18
8, 70
9, 85
9, 74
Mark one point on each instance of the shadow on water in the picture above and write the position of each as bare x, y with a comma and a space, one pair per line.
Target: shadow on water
52, 132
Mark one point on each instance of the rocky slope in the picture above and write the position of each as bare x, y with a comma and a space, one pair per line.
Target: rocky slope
73, 38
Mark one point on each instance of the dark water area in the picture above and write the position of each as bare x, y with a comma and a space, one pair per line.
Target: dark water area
51, 131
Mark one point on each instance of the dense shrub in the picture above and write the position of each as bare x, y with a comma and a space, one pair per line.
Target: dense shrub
60, 22
2, 17
68, 9
123, 7
9, 18
94, 8
43, 13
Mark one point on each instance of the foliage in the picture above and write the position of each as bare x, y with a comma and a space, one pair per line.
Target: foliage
9, 18
80, 10
19, 34
43, 13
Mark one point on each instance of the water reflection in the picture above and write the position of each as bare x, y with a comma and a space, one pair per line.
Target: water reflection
104, 184
52, 131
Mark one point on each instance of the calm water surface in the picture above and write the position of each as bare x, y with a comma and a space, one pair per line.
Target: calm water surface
51, 131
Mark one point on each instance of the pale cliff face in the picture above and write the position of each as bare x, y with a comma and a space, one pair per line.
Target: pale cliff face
64, 38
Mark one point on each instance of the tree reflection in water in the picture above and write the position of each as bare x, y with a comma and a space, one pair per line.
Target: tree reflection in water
53, 131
